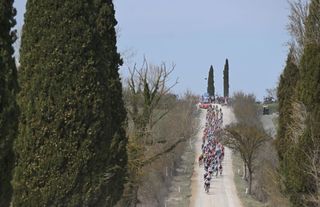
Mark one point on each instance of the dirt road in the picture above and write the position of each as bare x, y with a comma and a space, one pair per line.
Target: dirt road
222, 190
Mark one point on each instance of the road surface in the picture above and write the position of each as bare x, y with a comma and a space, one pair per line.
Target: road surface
222, 192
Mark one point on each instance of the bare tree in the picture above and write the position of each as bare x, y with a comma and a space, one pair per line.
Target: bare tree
246, 140
150, 84
313, 170
148, 89
162, 158
272, 93
245, 108
299, 11
247, 135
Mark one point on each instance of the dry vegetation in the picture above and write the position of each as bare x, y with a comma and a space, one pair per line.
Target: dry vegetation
159, 174
160, 123
265, 178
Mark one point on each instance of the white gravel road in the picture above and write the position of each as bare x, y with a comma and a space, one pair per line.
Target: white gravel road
222, 192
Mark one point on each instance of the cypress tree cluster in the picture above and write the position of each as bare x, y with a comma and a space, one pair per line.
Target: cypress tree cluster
210, 88
226, 79
71, 147
8, 106
301, 84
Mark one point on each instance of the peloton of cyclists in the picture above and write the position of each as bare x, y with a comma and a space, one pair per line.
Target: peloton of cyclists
212, 150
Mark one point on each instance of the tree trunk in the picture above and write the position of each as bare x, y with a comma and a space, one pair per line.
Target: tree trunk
244, 177
250, 180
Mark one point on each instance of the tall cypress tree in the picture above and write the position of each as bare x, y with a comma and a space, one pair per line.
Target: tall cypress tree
8, 106
226, 79
286, 148
309, 95
286, 93
210, 88
71, 146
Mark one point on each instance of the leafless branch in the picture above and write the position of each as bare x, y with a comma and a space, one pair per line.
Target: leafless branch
169, 149
152, 83
297, 26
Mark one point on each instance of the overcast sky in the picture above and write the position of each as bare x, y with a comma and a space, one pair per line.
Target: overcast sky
196, 34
